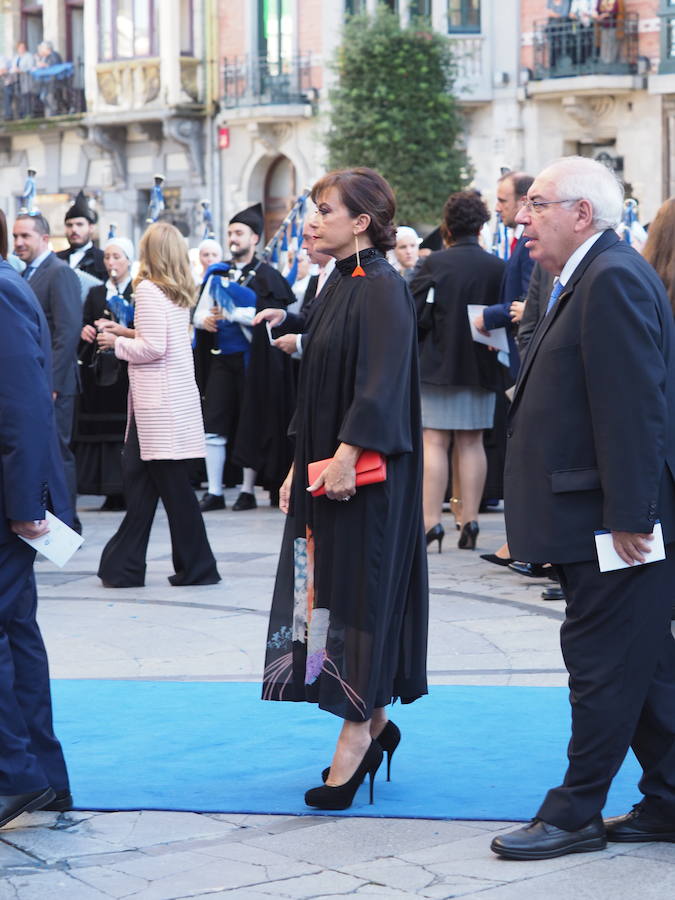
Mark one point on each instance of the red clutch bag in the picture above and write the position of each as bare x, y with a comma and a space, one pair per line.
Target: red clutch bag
371, 468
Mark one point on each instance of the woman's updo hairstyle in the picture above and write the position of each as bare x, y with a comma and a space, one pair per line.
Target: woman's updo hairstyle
364, 190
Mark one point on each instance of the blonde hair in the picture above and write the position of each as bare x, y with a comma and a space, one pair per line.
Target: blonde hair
659, 249
163, 259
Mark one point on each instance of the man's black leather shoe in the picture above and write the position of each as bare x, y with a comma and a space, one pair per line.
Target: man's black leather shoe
539, 840
211, 501
62, 802
244, 501
16, 804
555, 592
531, 570
639, 825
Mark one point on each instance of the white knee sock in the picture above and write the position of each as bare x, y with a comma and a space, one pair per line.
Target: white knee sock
215, 461
248, 483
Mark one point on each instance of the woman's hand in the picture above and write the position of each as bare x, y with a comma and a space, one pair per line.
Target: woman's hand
107, 325
88, 334
272, 315
106, 339
285, 491
339, 476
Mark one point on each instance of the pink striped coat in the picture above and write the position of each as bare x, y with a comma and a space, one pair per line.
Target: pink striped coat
163, 395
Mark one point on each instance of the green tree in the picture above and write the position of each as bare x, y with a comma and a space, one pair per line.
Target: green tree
393, 110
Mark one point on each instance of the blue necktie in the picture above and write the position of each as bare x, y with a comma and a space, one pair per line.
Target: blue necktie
29, 272
555, 293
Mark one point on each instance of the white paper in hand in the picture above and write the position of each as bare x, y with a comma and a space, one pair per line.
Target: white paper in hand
497, 337
609, 560
60, 542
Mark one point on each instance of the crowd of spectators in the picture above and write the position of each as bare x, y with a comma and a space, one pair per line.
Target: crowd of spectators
36, 84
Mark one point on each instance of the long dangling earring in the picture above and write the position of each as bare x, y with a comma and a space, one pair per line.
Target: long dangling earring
358, 271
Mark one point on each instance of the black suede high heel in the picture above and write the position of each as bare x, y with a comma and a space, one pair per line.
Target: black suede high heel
389, 739
437, 533
468, 537
341, 797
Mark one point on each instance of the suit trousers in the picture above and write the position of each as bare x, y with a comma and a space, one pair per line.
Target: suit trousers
64, 412
123, 558
620, 654
30, 755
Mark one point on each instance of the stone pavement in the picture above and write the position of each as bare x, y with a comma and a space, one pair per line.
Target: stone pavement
488, 627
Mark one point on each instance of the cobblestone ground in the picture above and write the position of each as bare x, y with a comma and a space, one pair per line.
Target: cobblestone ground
488, 627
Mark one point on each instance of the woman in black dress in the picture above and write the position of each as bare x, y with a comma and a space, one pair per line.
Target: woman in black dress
102, 411
348, 625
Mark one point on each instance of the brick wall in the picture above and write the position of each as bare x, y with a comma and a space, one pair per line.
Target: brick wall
231, 30
536, 10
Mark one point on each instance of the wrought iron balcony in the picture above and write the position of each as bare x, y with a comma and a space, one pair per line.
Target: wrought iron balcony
260, 81
565, 48
56, 90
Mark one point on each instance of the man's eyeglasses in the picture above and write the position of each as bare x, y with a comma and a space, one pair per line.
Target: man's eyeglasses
536, 206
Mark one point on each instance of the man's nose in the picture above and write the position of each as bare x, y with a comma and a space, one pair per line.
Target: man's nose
523, 215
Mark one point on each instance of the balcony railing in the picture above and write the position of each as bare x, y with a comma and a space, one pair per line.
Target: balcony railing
260, 81
57, 90
565, 48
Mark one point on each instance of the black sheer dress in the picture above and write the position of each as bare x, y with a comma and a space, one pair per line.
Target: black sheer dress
348, 626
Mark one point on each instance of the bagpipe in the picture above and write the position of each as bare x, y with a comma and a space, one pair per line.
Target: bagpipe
230, 291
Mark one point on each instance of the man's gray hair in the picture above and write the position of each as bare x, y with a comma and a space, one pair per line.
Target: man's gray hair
580, 178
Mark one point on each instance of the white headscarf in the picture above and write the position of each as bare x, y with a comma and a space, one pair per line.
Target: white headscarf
124, 244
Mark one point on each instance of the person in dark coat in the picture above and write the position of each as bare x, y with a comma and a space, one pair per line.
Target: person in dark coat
102, 410
82, 253
58, 290
460, 377
348, 625
33, 772
249, 395
592, 447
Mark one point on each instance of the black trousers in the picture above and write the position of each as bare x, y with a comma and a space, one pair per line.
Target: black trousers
64, 413
30, 754
620, 654
123, 558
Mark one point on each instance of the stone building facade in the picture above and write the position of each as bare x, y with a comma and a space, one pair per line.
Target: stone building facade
137, 103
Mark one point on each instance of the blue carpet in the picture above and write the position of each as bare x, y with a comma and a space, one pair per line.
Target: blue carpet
467, 752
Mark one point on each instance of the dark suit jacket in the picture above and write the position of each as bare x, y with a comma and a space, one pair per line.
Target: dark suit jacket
31, 470
462, 274
538, 295
57, 288
514, 286
91, 262
591, 433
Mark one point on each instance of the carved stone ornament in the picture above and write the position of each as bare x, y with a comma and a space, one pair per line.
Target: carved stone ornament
109, 86
270, 134
189, 133
151, 82
113, 140
188, 78
588, 111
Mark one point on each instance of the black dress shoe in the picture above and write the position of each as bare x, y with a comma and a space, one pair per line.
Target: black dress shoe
555, 592
210, 502
244, 501
539, 840
62, 802
639, 825
12, 806
113, 503
531, 570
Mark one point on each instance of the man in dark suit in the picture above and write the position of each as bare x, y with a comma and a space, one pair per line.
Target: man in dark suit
592, 446
511, 191
32, 769
82, 254
58, 290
